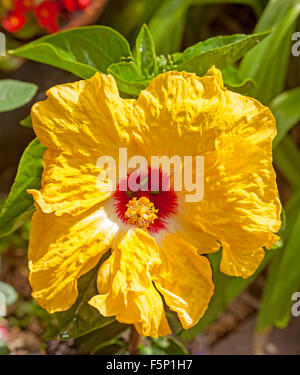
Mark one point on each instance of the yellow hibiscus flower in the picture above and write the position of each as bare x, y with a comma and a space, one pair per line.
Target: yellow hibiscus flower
157, 239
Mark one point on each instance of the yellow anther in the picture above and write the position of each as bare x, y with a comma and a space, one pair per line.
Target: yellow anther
141, 212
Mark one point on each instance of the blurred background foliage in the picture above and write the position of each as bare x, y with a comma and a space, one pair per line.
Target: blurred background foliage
272, 75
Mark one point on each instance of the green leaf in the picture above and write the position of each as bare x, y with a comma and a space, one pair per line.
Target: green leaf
286, 110
15, 94
267, 63
145, 53
111, 347
227, 288
167, 25
173, 321
83, 51
27, 122
87, 343
164, 346
172, 346
9, 292
284, 276
4, 350
128, 78
287, 159
16, 240
219, 51
18, 207
133, 14
81, 318
234, 82
257, 5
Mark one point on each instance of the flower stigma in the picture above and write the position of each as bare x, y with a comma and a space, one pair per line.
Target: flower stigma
141, 212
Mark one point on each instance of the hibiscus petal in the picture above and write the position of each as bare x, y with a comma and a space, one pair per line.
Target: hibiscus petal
245, 116
184, 278
61, 249
125, 285
240, 262
83, 116
70, 184
79, 122
205, 243
177, 113
240, 206
183, 114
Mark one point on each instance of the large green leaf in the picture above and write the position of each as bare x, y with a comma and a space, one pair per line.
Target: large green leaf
287, 159
227, 288
268, 62
14, 94
128, 78
111, 347
87, 343
81, 318
283, 276
167, 25
257, 5
145, 53
219, 51
286, 109
19, 204
234, 82
81, 51
286, 155
133, 14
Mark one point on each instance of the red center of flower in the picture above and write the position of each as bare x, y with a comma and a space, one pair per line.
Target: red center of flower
160, 204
